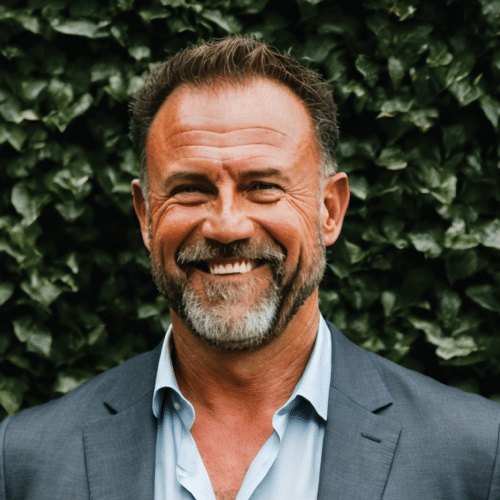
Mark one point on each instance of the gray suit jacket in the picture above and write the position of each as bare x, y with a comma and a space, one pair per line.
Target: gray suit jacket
391, 434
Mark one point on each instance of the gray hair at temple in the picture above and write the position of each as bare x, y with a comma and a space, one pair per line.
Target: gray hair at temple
235, 59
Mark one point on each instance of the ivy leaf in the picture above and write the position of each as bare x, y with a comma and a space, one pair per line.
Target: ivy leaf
36, 336
368, 69
455, 237
66, 382
489, 233
491, 108
485, 296
82, 27
40, 289
396, 70
465, 92
27, 204
6, 291
227, 22
426, 243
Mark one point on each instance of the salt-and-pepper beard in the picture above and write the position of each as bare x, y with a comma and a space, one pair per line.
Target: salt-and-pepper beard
207, 313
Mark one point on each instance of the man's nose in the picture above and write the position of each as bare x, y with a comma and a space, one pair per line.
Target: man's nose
227, 223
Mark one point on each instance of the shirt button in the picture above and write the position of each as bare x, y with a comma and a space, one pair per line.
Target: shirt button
177, 406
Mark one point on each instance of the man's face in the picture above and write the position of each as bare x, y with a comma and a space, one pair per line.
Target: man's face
235, 224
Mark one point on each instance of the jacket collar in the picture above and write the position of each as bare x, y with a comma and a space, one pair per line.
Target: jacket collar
359, 444
120, 448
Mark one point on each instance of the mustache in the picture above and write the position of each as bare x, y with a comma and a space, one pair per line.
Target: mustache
202, 251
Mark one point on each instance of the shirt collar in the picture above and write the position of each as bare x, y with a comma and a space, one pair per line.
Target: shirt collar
314, 385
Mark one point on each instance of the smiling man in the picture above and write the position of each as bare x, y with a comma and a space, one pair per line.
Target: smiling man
252, 395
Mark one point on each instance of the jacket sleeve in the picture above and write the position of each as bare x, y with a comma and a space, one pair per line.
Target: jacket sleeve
495, 476
3, 427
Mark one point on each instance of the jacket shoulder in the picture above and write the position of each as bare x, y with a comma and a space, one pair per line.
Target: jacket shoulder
86, 401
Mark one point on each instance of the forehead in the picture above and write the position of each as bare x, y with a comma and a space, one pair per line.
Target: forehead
259, 104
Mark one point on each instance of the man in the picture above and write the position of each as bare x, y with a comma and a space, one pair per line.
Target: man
251, 395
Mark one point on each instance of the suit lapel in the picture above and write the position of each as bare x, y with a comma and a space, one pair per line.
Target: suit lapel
120, 448
359, 444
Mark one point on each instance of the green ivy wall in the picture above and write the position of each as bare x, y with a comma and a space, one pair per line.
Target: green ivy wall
415, 275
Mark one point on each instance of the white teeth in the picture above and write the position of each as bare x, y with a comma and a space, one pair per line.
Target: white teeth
240, 267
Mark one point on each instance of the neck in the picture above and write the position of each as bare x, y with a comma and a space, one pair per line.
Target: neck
254, 380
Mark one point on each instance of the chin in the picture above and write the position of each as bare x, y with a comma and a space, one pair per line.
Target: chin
219, 317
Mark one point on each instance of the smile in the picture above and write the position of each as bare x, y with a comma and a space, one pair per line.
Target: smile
226, 266
231, 266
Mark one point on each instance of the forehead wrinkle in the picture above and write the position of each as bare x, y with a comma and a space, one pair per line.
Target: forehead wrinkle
190, 153
244, 136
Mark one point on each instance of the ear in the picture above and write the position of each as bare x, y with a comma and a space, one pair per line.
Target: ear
334, 205
142, 212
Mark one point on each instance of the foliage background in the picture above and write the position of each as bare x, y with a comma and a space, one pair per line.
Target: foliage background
415, 275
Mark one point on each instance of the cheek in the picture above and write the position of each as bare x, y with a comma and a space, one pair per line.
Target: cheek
173, 227
292, 231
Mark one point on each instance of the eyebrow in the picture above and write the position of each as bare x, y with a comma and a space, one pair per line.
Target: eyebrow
263, 172
198, 177
185, 176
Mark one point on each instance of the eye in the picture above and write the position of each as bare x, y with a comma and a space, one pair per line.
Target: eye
264, 192
190, 194
262, 186
186, 189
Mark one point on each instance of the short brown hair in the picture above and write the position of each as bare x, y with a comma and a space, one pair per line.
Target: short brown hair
235, 59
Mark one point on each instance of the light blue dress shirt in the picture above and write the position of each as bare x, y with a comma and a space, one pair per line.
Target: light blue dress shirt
286, 467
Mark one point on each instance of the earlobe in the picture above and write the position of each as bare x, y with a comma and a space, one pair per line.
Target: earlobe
334, 206
142, 212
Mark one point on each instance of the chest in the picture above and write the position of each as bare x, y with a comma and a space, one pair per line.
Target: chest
227, 453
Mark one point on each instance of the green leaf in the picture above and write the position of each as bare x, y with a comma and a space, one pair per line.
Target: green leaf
491, 108
422, 118
465, 92
61, 93
358, 186
426, 243
484, 295
14, 134
432, 330
456, 238
449, 306
66, 382
396, 70
6, 291
227, 22
489, 233
356, 254
392, 158
11, 401
461, 264
40, 289
97, 333
439, 55
317, 47
392, 227
388, 300
139, 52
10, 109
27, 204
37, 337
153, 12
447, 191
456, 347
400, 104
447, 347
31, 23
368, 69
80, 28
